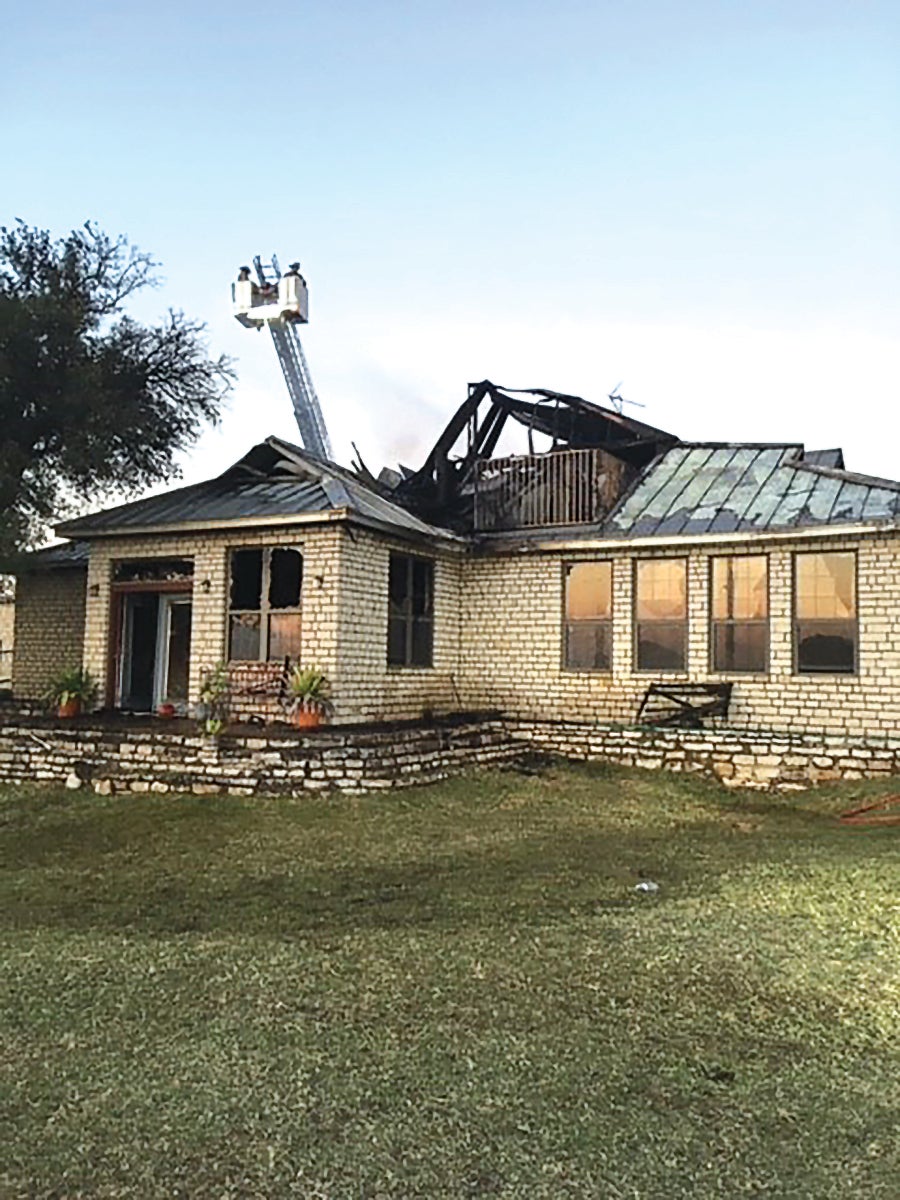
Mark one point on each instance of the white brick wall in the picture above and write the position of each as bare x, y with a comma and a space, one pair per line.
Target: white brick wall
344, 617
7, 623
367, 689
49, 628
511, 653
498, 630
209, 630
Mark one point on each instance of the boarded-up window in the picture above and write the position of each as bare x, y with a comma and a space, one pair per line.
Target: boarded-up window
264, 606
825, 626
587, 641
740, 613
410, 611
660, 611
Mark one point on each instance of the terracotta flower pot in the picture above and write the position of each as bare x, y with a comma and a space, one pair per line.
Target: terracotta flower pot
166, 710
71, 708
307, 718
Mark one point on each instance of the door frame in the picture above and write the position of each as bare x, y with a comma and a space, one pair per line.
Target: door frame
167, 602
115, 660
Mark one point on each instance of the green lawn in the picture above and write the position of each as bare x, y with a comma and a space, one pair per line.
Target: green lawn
450, 992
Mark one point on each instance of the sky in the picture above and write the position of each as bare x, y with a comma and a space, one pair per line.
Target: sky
697, 202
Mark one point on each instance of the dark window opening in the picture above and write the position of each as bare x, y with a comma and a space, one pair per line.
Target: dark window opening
246, 579
588, 622
154, 570
740, 613
660, 608
265, 605
825, 618
285, 578
410, 611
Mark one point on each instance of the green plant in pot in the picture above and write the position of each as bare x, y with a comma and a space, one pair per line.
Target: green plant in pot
213, 707
308, 688
71, 692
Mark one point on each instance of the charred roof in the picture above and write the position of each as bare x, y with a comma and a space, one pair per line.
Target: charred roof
441, 490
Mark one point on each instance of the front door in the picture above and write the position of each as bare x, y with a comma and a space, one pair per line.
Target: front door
155, 651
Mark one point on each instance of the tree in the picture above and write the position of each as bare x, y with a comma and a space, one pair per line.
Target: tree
91, 401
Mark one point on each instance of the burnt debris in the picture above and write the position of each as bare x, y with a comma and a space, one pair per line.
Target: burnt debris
595, 456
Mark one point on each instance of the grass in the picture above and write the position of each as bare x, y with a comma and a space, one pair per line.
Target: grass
449, 992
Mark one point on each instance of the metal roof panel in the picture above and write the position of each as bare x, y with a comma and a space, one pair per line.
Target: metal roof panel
703, 488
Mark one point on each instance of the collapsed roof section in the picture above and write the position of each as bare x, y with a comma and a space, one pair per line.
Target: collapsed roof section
444, 488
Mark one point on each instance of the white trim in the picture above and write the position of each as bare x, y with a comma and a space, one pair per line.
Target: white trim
167, 602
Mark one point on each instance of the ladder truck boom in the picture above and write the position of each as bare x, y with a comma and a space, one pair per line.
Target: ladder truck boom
281, 301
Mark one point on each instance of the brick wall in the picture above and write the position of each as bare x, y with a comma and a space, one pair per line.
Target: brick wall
7, 621
344, 620
366, 688
209, 630
49, 628
498, 632
7, 624
511, 652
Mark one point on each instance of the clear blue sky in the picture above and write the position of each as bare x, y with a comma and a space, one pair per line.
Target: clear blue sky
698, 199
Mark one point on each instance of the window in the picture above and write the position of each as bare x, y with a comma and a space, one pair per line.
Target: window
264, 607
660, 609
825, 634
410, 611
740, 613
154, 570
588, 623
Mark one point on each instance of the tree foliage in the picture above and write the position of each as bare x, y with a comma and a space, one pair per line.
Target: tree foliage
91, 400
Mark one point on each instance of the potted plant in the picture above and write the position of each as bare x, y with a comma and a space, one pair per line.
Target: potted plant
308, 687
71, 692
213, 706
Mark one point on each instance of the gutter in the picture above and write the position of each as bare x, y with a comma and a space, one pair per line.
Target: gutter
650, 542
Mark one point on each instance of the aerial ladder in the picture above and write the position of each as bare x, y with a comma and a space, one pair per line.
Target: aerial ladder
282, 303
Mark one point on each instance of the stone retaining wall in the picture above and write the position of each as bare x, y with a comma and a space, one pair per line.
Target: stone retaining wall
116, 759
735, 757
113, 760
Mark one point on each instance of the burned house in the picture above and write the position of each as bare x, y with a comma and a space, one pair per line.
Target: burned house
560, 582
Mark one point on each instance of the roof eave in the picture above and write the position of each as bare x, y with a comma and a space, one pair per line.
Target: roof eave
504, 543
287, 520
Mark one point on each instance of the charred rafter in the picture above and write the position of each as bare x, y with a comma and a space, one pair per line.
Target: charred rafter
442, 488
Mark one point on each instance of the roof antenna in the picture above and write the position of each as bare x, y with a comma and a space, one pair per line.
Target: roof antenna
618, 401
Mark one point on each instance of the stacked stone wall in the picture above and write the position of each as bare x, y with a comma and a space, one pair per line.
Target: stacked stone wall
115, 760
49, 628
734, 757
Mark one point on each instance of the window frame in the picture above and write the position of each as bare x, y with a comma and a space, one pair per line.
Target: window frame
606, 622
408, 616
714, 621
265, 610
795, 619
683, 621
